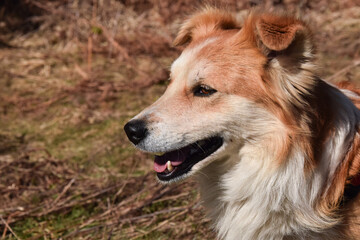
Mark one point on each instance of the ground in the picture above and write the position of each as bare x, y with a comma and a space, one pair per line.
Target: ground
73, 72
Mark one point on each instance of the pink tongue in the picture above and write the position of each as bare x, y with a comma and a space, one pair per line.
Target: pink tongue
176, 158
159, 168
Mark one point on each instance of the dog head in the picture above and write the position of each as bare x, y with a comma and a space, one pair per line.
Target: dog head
230, 86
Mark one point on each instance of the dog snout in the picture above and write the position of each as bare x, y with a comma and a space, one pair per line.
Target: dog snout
136, 130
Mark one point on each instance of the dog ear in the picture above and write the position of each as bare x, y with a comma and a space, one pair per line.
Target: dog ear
203, 23
277, 33
284, 37
287, 44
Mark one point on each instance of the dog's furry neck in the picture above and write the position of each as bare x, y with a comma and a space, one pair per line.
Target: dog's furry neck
249, 195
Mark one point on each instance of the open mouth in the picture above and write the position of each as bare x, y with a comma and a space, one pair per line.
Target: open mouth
178, 162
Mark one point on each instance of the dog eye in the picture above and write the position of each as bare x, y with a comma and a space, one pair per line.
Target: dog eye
203, 91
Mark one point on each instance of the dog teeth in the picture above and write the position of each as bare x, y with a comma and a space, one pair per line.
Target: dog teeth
169, 166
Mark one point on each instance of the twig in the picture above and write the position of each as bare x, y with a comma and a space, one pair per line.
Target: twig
174, 209
89, 53
80, 202
111, 40
129, 220
4, 232
81, 72
8, 227
125, 181
178, 196
66, 188
161, 224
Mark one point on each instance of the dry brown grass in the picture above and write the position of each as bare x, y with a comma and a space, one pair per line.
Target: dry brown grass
74, 72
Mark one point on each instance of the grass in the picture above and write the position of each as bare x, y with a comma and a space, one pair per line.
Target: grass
66, 168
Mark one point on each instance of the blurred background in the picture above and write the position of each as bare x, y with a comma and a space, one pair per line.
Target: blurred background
72, 72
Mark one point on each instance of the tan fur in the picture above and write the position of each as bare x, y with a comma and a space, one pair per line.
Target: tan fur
203, 23
291, 139
278, 33
309, 127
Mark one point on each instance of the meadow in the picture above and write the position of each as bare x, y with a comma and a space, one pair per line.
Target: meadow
72, 73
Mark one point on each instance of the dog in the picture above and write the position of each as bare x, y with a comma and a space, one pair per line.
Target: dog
275, 149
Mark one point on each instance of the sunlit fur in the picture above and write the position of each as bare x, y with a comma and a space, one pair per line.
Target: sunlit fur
291, 140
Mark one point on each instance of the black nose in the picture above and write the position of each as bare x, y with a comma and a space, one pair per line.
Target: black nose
136, 130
